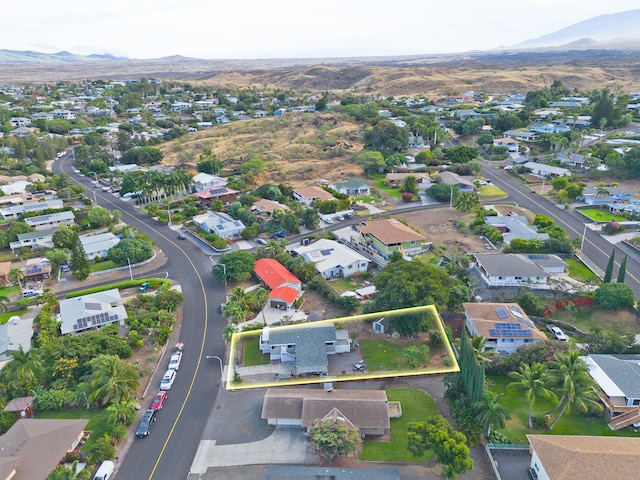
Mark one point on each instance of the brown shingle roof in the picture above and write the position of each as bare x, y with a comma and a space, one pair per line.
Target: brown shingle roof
268, 206
569, 457
484, 317
391, 231
363, 408
314, 192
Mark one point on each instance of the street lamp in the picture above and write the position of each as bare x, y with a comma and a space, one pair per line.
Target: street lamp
130, 272
221, 367
95, 198
451, 198
584, 233
224, 268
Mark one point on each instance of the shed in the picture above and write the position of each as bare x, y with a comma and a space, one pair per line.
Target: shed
22, 406
381, 326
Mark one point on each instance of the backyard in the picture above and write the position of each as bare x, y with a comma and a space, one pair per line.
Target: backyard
587, 318
417, 406
579, 271
570, 423
601, 215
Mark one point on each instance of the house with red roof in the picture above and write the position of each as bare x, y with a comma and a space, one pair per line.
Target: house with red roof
285, 286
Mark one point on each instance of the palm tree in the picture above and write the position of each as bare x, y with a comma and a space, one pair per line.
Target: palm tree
239, 296
490, 414
234, 312
22, 374
415, 355
121, 413
262, 297
4, 303
570, 377
16, 275
478, 345
70, 473
228, 331
532, 382
112, 380
466, 202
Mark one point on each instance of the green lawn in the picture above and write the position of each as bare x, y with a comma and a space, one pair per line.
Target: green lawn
491, 190
99, 267
97, 425
252, 355
342, 285
9, 292
579, 270
393, 192
602, 215
587, 318
4, 317
569, 424
381, 355
417, 406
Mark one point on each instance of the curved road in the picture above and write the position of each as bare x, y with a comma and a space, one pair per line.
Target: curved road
596, 248
167, 453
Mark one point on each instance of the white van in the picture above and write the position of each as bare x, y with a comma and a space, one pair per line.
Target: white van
105, 471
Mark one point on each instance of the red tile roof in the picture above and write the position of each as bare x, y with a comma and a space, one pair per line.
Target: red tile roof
288, 294
273, 273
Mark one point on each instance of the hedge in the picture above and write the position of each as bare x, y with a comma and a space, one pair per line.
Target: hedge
153, 283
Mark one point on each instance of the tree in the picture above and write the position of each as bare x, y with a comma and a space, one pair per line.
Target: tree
228, 331
442, 192
133, 250
490, 414
371, 162
16, 276
74, 472
614, 296
461, 154
570, 378
410, 185
79, 263
310, 218
121, 413
99, 217
57, 257
560, 183
448, 445
333, 438
415, 355
65, 237
112, 380
531, 381
608, 274
262, 297
234, 312
237, 266
386, 137
102, 450
239, 296
623, 270
466, 202
485, 138
22, 374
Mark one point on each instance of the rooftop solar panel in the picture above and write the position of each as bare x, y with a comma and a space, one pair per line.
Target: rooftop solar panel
502, 313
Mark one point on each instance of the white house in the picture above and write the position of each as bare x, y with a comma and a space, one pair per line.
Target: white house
515, 227
499, 269
204, 181
547, 170
97, 246
511, 144
333, 259
353, 186
37, 239
308, 195
92, 311
219, 223
53, 220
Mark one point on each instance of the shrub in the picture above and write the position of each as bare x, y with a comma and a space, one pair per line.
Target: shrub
102, 450
614, 296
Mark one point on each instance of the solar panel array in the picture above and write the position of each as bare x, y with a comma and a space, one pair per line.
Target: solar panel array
509, 330
502, 313
95, 321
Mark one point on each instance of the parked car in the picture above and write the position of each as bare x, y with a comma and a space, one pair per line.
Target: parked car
558, 333
144, 427
328, 221
174, 361
158, 402
105, 471
182, 236
65, 268
167, 380
261, 241
340, 218
143, 287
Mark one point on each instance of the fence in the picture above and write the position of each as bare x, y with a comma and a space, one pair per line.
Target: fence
124, 267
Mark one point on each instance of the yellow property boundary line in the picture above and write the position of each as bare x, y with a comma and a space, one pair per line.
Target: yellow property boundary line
242, 336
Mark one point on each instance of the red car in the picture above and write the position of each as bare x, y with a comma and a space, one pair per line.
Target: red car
158, 402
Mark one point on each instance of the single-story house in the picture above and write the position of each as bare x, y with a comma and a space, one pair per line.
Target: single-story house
16, 333
33, 447
515, 226
367, 410
33, 240
53, 220
547, 170
505, 326
333, 259
548, 128
305, 346
572, 159
618, 379
455, 180
267, 206
423, 179
204, 181
92, 311
522, 135
563, 457
511, 144
219, 223
36, 270
308, 195
499, 269
606, 195
285, 286
15, 211
390, 235
226, 195
353, 186
97, 246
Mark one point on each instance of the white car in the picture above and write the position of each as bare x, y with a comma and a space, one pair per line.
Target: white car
558, 333
167, 381
328, 221
174, 361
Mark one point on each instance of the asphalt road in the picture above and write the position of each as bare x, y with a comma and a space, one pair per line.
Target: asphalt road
168, 451
596, 248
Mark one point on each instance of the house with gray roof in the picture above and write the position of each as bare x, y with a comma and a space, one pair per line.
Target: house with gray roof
547, 170
52, 220
515, 227
367, 410
618, 379
92, 311
97, 246
522, 135
353, 186
219, 223
305, 347
34, 240
333, 259
15, 211
499, 269
16, 333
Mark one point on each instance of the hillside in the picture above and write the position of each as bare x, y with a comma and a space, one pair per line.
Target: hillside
297, 148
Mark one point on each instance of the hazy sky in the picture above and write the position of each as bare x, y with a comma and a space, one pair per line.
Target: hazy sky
222, 29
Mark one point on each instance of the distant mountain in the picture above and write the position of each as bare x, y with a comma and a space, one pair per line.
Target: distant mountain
21, 57
618, 30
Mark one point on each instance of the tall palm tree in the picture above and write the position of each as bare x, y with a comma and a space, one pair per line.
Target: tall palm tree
233, 312
112, 380
228, 331
16, 275
239, 296
466, 202
121, 413
262, 297
490, 414
70, 473
570, 377
22, 374
532, 382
